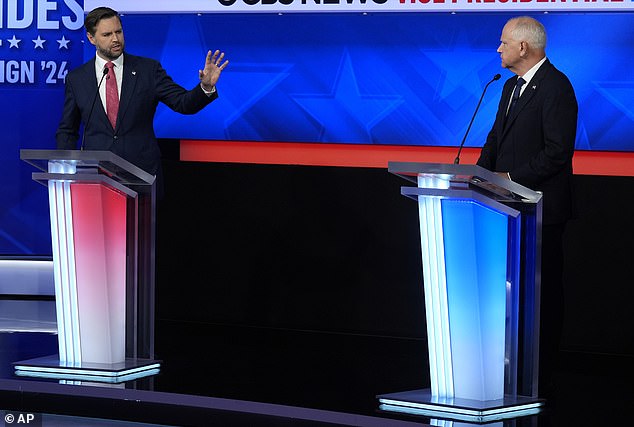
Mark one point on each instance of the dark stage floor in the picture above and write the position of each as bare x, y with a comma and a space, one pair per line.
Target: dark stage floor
224, 375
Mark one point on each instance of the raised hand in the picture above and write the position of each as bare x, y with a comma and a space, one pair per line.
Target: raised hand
213, 67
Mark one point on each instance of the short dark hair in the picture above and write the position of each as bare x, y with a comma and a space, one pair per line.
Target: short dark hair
96, 15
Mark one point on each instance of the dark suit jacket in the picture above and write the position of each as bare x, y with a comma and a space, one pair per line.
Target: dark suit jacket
537, 143
144, 84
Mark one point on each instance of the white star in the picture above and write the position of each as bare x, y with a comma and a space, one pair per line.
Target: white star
63, 43
39, 42
14, 42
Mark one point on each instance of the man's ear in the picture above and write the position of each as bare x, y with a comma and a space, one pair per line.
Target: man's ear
91, 39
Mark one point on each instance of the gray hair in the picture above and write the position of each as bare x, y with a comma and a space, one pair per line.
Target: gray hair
529, 30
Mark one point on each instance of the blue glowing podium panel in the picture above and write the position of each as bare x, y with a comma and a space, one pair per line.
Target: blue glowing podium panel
479, 246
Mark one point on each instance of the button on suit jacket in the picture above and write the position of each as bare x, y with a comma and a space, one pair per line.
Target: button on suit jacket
144, 84
536, 144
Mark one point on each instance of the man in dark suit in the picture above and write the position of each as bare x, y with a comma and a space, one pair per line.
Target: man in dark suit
532, 143
126, 126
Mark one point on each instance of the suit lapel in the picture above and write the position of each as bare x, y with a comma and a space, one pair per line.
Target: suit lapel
93, 84
504, 100
127, 86
527, 95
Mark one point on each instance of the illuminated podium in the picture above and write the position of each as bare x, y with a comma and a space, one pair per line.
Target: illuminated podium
480, 245
102, 211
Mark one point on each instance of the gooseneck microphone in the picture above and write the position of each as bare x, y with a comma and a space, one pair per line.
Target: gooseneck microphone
92, 107
457, 159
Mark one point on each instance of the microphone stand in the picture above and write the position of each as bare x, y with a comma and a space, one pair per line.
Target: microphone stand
92, 107
457, 159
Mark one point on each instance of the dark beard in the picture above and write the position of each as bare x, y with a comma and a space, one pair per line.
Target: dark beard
107, 54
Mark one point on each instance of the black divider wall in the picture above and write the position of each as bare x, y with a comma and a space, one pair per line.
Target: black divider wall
599, 270
319, 248
337, 250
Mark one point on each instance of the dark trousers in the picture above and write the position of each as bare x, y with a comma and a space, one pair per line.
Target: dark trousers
552, 305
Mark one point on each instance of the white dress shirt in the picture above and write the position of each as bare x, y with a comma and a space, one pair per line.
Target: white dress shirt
100, 64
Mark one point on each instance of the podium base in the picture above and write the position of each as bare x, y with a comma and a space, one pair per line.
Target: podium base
114, 373
421, 402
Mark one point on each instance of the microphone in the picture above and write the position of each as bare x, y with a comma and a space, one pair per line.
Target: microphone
457, 159
92, 107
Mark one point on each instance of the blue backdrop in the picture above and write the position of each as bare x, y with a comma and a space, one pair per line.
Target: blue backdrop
383, 78
36, 51
389, 78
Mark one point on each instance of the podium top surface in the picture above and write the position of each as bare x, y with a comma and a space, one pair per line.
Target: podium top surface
467, 176
105, 162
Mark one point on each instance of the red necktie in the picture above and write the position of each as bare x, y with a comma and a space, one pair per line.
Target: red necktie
112, 95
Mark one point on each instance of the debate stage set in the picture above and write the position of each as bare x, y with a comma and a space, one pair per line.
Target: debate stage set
313, 255
293, 295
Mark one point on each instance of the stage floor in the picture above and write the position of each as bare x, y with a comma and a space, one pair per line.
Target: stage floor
229, 375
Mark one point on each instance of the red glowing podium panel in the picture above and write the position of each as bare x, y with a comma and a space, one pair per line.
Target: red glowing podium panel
102, 228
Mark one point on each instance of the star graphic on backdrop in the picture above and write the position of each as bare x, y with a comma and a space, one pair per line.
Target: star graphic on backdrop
264, 76
244, 86
461, 64
620, 94
349, 113
39, 42
63, 43
14, 42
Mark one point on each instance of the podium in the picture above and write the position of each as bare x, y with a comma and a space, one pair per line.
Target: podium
102, 211
481, 255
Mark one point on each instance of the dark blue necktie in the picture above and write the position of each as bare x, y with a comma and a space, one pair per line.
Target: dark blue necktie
516, 94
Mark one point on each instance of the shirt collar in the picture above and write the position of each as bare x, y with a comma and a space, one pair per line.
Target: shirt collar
531, 73
100, 63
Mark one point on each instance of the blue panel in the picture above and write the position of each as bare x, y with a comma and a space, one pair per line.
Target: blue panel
476, 260
36, 51
383, 78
